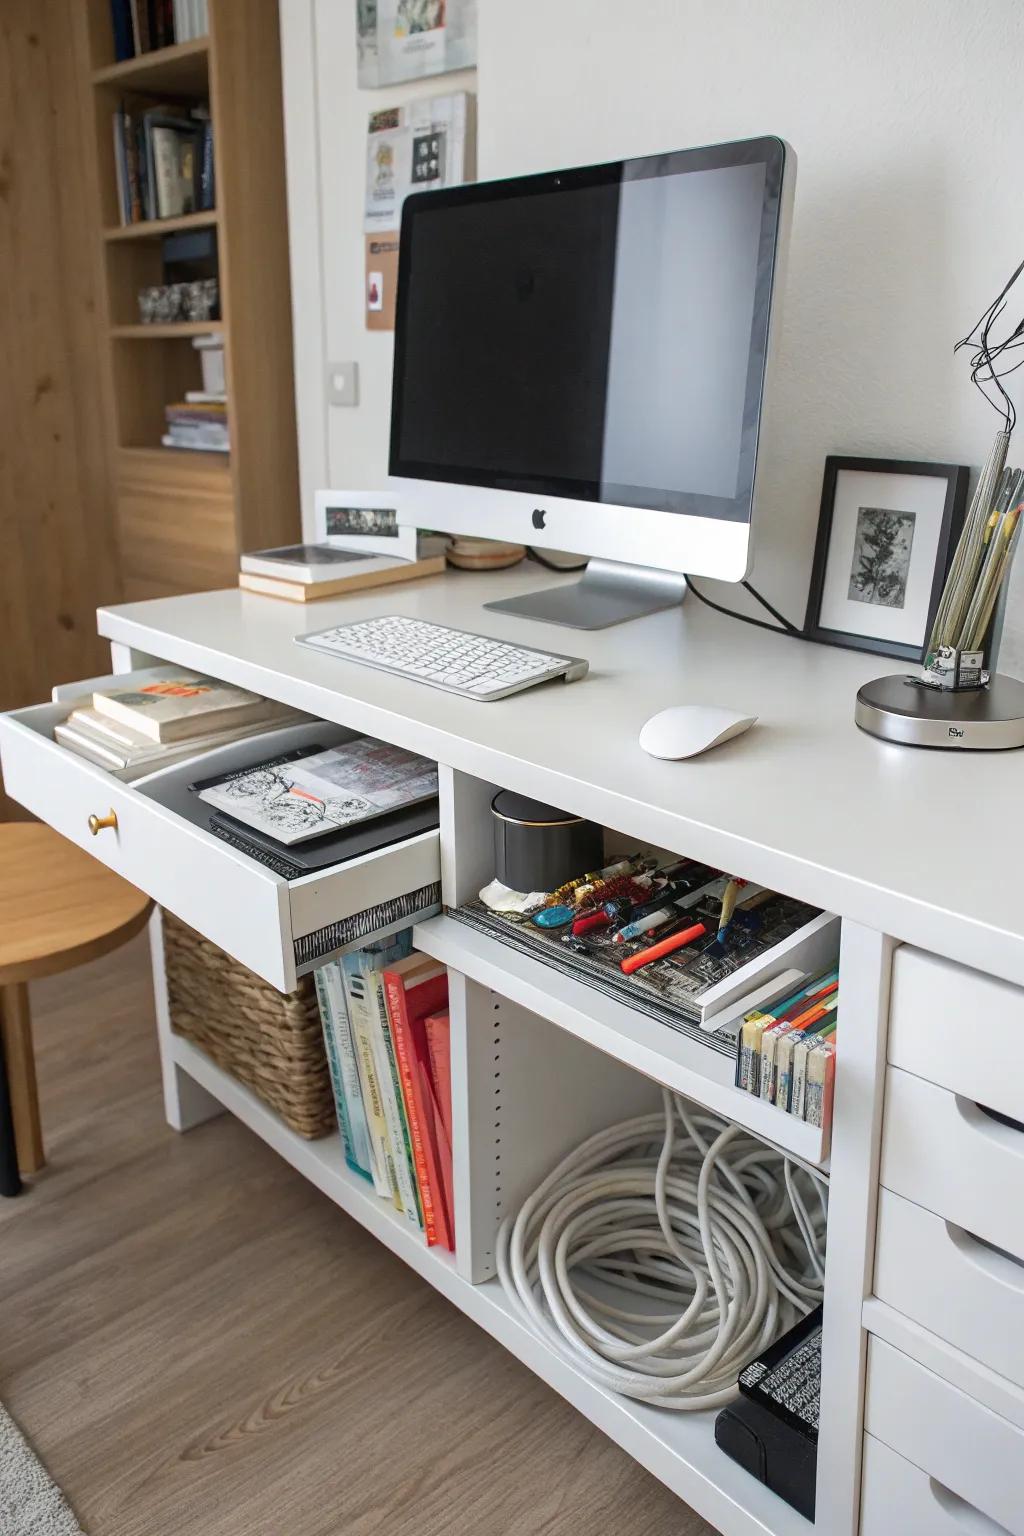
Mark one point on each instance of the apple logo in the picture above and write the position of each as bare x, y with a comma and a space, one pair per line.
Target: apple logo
538, 517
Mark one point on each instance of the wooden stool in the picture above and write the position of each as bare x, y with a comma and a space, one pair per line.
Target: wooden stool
58, 908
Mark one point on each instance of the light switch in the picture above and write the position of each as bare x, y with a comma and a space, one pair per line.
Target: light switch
343, 383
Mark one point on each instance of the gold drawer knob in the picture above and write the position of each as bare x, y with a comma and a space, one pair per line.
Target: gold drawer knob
98, 823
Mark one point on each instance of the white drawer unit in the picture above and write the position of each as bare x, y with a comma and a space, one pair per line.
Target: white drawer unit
958, 1028
941, 1150
276, 927
949, 1281
974, 1456
898, 1499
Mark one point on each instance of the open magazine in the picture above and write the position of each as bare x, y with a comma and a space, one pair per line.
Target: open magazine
311, 792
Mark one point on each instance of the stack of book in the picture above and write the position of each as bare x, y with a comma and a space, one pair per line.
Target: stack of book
305, 573
198, 422
786, 1053
166, 715
139, 26
163, 156
386, 1031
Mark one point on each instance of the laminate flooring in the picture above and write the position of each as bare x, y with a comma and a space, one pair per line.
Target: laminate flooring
198, 1343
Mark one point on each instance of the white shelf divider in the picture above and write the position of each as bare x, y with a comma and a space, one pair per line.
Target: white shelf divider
678, 1448
659, 1052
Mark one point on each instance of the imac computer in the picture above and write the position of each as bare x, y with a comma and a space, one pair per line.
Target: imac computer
580, 362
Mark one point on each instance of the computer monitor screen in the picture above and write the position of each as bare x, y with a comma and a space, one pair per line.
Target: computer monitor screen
597, 335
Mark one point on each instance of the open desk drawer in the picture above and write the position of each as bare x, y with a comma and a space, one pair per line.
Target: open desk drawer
276, 927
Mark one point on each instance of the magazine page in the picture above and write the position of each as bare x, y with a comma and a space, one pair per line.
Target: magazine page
309, 796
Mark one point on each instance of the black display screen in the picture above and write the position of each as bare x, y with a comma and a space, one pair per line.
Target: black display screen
597, 334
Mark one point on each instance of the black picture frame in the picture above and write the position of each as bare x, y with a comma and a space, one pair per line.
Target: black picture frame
956, 477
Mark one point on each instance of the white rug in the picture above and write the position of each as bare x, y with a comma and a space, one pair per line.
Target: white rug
31, 1504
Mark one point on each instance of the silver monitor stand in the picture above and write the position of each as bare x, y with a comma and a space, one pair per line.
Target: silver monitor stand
607, 593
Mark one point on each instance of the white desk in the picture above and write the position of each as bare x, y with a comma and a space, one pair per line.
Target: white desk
908, 848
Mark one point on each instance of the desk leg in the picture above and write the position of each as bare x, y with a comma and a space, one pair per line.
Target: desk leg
10, 1181
186, 1102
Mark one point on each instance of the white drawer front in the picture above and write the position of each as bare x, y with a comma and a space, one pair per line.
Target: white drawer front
943, 1152
273, 926
898, 1499
976, 1456
958, 1028
940, 1275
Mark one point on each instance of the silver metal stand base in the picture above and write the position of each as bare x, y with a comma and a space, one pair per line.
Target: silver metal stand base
989, 719
606, 594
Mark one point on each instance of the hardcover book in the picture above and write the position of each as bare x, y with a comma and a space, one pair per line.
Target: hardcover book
176, 706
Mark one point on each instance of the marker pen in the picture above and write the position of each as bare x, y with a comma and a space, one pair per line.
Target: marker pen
663, 947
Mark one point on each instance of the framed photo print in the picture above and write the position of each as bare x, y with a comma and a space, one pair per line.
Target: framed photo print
886, 534
364, 521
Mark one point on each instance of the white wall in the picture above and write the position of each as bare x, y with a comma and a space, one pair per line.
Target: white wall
907, 218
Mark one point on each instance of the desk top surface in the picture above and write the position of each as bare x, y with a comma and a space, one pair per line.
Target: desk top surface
922, 845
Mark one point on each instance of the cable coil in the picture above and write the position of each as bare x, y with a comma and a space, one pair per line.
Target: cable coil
719, 1237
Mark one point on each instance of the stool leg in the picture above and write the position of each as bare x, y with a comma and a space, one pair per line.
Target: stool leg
16, 1023
10, 1183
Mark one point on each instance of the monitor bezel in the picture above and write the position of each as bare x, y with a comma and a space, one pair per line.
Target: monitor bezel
550, 513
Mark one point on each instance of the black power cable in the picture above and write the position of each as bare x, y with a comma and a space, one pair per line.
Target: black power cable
784, 626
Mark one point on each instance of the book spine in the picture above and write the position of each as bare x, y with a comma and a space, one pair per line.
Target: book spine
167, 176
324, 1004
124, 37
801, 1051
206, 172
438, 1027
348, 1070
441, 1145
121, 166
405, 1053
394, 1112
355, 991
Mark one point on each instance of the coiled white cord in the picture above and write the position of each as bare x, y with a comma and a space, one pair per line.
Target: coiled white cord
721, 1236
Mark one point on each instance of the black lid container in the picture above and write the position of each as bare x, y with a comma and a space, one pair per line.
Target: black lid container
539, 848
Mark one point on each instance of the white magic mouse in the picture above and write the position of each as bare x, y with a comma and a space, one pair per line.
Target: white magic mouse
688, 729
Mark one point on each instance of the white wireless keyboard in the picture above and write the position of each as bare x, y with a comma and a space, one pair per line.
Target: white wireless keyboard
474, 666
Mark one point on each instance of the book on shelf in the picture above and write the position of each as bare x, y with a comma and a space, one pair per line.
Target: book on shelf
160, 157
167, 705
374, 1006
414, 988
341, 1060
357, 972
140, 26
313, 793
399, 1137
375, 571
438, 1030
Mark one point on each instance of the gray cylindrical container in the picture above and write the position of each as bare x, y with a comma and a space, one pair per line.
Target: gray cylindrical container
539, 848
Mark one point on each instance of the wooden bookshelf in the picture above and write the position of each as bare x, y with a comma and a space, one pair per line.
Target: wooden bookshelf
184, 517
155, 229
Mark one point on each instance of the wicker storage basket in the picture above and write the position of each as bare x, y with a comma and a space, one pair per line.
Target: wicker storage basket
270, 1041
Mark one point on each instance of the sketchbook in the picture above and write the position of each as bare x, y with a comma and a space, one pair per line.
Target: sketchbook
306, 794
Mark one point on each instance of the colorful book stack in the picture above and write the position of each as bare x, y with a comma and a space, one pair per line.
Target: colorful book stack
786, 1054
197, 422
386, 1030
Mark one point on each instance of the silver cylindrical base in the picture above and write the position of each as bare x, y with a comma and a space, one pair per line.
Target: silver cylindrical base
989, 719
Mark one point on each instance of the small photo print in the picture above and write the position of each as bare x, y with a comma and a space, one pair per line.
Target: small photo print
881, 557
382, 522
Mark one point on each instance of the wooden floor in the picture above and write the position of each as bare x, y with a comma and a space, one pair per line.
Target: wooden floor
197, 1343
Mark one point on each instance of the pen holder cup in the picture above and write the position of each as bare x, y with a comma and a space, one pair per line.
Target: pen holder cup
956, 671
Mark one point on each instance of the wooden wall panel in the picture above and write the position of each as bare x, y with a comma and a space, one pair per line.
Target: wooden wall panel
177, 524
58, 553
